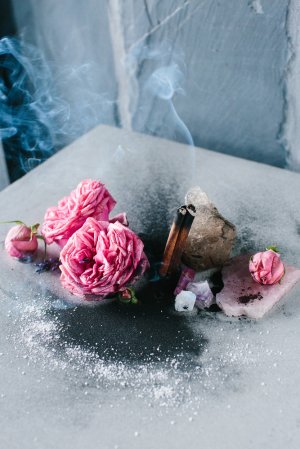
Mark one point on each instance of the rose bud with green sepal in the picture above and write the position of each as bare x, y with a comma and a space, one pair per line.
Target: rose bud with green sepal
266, 267
22, 242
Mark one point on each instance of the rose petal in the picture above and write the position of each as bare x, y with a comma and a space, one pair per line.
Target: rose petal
118, 252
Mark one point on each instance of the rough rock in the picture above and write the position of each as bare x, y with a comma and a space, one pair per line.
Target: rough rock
241, 295
211, 237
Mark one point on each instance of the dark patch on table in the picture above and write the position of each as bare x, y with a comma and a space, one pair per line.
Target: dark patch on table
246, 299
147, 332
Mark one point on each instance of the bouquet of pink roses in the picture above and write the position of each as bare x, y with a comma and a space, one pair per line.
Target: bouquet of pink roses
99, 255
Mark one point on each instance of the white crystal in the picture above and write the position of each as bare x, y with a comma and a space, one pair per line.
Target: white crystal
204, 295
185, 301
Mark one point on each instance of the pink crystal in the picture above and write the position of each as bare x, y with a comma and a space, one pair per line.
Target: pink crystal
187, 275
242, 296
204, 295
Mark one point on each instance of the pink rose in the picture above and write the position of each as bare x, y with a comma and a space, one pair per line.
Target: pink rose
122, 218
89, 199
20, 242
101, 258
266, 267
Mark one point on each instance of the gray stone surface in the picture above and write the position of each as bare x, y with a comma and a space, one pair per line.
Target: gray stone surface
144, 377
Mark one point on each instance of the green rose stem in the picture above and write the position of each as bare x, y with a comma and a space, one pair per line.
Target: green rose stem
13, 222
40, 237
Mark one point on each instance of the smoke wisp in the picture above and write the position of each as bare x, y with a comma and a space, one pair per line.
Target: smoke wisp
35, 119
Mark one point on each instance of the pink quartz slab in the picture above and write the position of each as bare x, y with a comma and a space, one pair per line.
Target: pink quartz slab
241, 295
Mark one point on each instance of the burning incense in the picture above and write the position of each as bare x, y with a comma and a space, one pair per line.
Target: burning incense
177, 238
172, 239
182, 237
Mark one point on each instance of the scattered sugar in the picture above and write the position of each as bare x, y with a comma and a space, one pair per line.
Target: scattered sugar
169, 381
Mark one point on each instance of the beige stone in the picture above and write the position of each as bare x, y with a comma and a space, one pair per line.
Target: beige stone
211, 237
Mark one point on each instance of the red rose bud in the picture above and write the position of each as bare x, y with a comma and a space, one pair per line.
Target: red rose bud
125, 294
128, 296
21, 241
266, 267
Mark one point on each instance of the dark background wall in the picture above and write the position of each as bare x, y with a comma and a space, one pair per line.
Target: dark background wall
7, 23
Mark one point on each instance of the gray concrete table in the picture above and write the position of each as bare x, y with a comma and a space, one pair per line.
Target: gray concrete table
144, 377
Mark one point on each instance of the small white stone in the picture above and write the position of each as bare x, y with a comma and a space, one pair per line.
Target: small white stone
185, 301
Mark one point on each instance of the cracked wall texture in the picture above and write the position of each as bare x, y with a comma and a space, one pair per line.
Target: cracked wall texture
222, 69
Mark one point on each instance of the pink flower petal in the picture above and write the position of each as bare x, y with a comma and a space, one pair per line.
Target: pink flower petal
118, 259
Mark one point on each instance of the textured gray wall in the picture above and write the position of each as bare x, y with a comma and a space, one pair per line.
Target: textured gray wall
220, 70
234, 58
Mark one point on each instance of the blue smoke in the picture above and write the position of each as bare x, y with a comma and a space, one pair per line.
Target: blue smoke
160, 77
35, 120
164, 83
24, 122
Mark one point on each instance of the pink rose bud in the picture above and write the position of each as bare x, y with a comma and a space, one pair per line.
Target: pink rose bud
266, 267
21, 242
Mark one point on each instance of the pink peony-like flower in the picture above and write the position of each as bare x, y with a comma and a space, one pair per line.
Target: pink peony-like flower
89, 199
266, 267
101, 258
21, 242
121, 218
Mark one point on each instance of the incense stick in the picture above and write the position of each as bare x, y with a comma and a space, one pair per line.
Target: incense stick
182, 237
172, 239
177, 238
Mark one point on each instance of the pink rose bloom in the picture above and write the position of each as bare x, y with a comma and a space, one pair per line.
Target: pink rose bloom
101, 258
122, 218
89, 199
266, 267
20, 242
